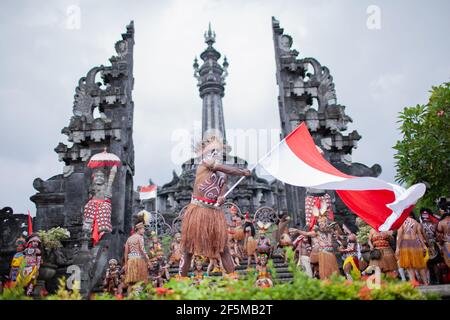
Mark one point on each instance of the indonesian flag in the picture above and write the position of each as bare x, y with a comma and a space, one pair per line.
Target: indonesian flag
147, 192
297, 161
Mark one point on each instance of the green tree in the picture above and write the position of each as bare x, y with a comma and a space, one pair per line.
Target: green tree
423, 152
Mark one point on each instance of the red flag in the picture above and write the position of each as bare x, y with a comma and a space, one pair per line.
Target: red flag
95, 235
148, 192
30, 224
297, 161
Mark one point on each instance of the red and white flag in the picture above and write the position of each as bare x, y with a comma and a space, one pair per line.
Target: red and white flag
297, 161
147, 192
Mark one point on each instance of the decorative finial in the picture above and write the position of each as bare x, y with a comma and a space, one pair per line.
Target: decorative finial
210, 36
195, 63
225, 62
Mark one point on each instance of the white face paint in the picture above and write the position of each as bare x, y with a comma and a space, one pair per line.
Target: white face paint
214, 155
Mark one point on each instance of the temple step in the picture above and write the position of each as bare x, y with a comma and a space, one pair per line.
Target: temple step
281, 269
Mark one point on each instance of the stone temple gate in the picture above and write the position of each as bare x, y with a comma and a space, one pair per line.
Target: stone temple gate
307, 94
60, 199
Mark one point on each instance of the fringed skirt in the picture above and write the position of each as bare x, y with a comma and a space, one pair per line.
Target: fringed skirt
204, 231
387, 262
251, 246
411, 255
327, 264
238, 234
136, 270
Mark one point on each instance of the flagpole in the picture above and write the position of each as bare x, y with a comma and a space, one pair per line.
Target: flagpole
156, 210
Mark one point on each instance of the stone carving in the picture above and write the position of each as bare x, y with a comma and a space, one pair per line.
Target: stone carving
84, 102
60, 200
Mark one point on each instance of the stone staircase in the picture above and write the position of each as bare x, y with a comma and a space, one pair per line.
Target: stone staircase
281, 269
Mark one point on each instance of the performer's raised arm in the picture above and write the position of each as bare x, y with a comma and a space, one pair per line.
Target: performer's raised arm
213, 165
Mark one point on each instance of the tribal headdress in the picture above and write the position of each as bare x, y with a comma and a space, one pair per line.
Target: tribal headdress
211, 141
139, 225
263, 227
33, 237
20, 241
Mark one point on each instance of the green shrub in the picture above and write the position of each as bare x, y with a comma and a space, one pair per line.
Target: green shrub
63, 294
14, 293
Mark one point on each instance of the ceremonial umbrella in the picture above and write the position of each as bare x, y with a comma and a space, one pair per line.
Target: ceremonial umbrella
104, 159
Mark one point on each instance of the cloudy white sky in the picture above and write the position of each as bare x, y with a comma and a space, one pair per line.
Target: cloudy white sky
376, 72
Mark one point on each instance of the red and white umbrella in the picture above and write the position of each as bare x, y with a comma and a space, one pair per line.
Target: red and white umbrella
104, 159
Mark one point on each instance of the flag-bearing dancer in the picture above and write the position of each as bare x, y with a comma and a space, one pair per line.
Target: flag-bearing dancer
204, 229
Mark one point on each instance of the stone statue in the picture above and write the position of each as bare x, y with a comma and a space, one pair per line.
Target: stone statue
98, 209
285, 44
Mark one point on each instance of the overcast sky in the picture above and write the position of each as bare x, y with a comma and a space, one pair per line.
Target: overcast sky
377, 72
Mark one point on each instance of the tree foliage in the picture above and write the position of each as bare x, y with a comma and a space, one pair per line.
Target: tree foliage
423, 152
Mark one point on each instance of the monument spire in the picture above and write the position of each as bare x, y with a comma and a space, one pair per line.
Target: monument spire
211, 82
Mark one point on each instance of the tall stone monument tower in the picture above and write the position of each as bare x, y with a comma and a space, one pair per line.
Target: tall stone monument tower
253, 192
211, 82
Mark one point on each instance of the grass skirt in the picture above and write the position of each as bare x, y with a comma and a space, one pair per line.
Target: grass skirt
327, 264
387, 262
251, 246
238, 234
411, 254
204, 231
136, 270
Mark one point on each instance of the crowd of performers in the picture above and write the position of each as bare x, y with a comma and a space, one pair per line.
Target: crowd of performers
25, 263
417, 251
